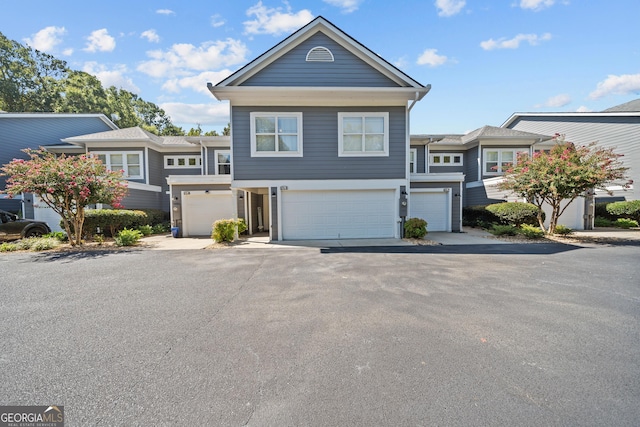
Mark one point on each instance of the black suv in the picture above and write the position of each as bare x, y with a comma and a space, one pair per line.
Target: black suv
12, 228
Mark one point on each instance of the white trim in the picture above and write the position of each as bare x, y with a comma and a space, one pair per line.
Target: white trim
363, 116
438, 177
337, 184
186, 157
217, 164
146, 165
125, 165
442, 155
198, 179
146, 187
515, 116
413, 151
255, 153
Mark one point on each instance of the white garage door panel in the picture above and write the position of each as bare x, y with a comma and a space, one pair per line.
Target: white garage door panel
433, 208
201, 210
344, 214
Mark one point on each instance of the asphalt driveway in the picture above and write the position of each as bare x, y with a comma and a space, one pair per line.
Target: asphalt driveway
304, 336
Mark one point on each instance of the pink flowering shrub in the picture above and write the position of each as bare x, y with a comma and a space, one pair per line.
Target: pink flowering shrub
67, 184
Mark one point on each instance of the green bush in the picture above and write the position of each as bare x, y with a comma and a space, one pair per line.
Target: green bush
61, 236
627, 209
224, 230
503, 230
515, 213
531, 232
625, 223
478, 216
146, 230
415, 228
603, 222
44, 243
161, 228
155, 216
8, 247
127, 237
601, 211
563, 230
110, 221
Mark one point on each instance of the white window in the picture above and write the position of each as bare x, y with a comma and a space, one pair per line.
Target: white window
223, 162
413, 165
497, 161
183, 161
128, 161
445, 159
276, 134
363, 134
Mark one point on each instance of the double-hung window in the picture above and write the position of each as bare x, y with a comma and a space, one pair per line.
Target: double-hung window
128, 161
363, 134
223, 162
276, 134
497, 161
413, 157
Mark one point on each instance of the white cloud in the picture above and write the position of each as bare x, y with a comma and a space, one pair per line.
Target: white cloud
431, 58
197, 83
556, 101
46, 39
401, 62
620, 85
449, 7
151, 36
583, 109
114, 77
68, 51
217, 21
514, 43
347, 6
274, 21
181, 59
190, 114
100, 41
165, 12
536, 5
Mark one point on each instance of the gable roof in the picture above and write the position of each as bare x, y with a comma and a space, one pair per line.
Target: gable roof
629, 107
232, 85
483, 133
143, 137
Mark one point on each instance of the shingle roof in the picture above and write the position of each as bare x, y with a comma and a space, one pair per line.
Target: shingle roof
489, 132
128, 134
627, 107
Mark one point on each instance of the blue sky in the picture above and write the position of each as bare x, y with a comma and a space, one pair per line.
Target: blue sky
485, 59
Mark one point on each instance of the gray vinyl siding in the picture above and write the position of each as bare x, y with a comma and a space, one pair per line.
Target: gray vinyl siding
621, 133
448, 169
33, 132
320, 148
292, 69
141, 199
455, 201
156, 169
420, 160
471, 157
486, 196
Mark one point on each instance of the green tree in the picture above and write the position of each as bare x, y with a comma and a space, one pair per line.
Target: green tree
563, 174
67, 184
195, 132
82, 93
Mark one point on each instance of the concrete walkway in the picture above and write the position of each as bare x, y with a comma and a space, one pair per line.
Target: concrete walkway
470, 236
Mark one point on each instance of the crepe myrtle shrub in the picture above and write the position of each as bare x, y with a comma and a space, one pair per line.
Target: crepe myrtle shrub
563, 174
67, 184
224, 230
415, 228
625, 209
515, 213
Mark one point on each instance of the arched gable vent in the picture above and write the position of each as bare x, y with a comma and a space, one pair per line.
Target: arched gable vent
319, 54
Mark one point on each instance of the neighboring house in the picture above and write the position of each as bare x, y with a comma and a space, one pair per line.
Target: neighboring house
33, 130
188, 176
617, 127
320, 142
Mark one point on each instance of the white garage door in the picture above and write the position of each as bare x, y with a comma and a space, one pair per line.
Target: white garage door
343, 214
200, 210
432, 206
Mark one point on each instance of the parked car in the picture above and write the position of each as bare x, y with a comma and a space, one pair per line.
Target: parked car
13, 228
